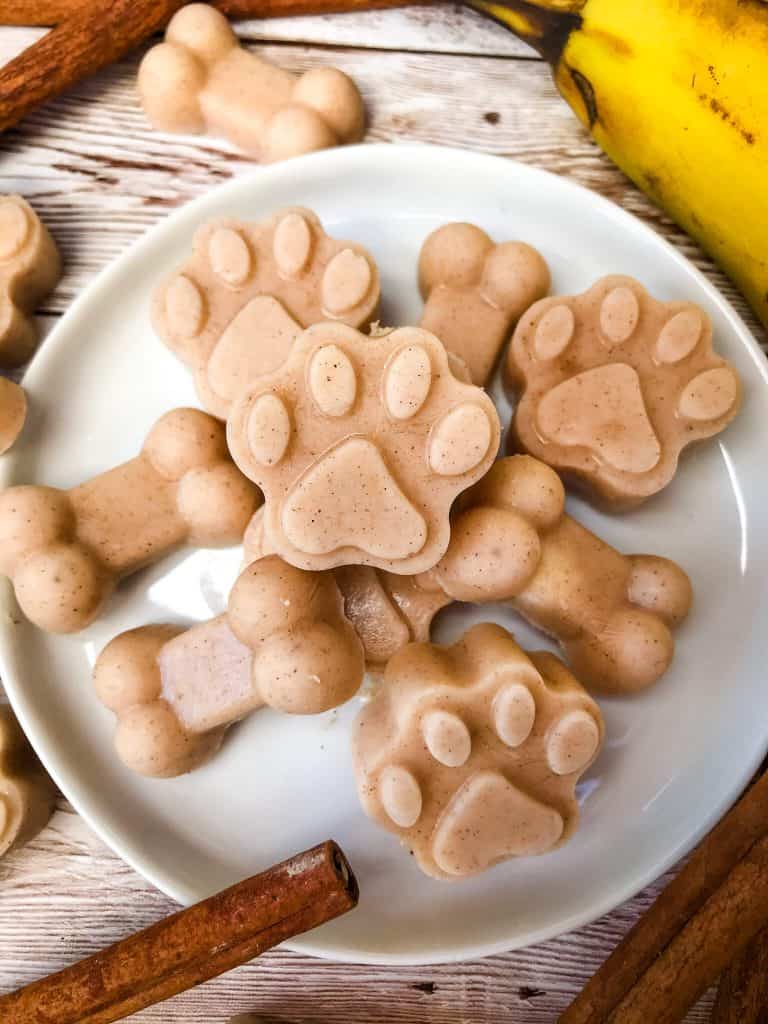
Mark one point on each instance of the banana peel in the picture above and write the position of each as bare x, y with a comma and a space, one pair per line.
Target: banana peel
676, 93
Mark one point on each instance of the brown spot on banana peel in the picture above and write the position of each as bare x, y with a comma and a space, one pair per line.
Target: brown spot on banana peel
713, 104
587, 93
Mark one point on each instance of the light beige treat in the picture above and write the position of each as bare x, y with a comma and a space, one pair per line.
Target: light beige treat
30, 267
387, 611
233, 311
13, 413
64, 551
475, 290
612, 614
471, 753
27, 795
201, 80
360, 446
283, 642
615, 384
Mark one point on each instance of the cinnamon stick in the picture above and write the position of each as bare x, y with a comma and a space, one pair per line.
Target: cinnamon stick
194, 945
659, 946
96, 33
44, 13
742, 996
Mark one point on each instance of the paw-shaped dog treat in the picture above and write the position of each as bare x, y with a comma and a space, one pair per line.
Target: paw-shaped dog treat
233, 311
201, 80
29, 268
283, 642
13, 412
611, 613
615, 384
27, 795
64, 551
360, 445
475, 291
471, 753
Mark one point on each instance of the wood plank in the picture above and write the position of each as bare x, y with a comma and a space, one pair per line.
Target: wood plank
441, 28
99, 176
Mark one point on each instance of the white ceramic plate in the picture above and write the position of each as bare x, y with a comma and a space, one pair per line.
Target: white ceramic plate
675, 757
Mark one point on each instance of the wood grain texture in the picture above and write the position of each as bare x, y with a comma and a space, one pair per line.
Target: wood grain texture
100, 178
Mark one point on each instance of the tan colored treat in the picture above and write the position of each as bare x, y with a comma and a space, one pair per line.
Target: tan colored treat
360, 446
13, 413
387, 611
615, 384
201, 80
64, 551
30, 267
283, 642
611, 613
233, 311
475, 291
27, 795
471, 753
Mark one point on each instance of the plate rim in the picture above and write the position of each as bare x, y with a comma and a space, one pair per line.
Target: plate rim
261, 178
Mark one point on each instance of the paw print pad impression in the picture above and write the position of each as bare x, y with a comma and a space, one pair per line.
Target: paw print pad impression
360, 445
471, 753
614, 384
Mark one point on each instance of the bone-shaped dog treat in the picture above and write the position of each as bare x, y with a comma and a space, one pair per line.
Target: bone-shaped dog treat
201, 80
233, 311
475, 291
471, 753
614, 385
360, 445
611, 613
283, 642
29, 268
13, 412
387, 611
27, 795
64, 551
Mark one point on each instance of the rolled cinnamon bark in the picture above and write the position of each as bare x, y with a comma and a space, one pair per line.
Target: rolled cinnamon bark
723, 861
742, 996
194, 945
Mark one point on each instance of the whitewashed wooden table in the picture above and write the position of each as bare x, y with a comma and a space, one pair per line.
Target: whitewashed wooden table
100, 177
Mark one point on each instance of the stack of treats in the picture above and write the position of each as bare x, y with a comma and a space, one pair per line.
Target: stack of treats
359, 467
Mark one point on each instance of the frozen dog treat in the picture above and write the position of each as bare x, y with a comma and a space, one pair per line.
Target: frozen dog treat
13, 412
387, 611
27, 795
611, 613
29, 268
360, 445
475, 290
201, 80
64, 551
471, 753
283, 642
233, 311
613, 385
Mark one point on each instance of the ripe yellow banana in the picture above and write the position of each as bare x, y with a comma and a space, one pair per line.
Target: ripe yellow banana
676, 93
